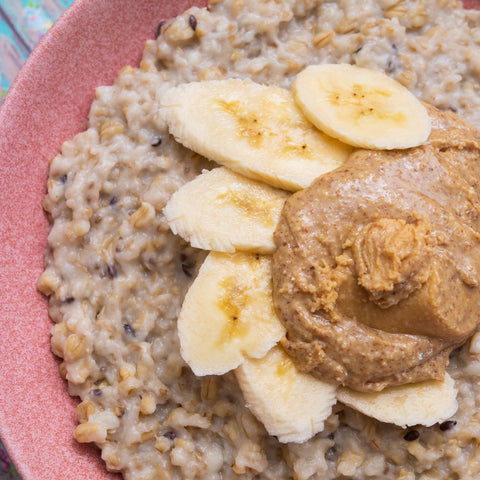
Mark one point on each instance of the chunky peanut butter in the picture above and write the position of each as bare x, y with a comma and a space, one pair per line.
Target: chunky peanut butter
377, 268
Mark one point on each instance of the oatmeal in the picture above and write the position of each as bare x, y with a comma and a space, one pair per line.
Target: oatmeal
117, 276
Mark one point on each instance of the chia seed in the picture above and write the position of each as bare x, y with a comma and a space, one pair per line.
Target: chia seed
158, 31
170, 435
129, 330
411, 436
447, 425
192, 21
112, 271
188, 266
187, 269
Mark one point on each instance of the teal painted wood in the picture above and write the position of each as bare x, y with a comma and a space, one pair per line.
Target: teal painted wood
65, 3
12, 55
22, 24
7, 470
31, 18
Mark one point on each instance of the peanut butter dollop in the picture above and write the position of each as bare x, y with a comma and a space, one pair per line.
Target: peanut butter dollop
377, 268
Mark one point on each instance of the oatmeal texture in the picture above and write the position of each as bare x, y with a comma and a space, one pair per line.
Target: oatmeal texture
116, 276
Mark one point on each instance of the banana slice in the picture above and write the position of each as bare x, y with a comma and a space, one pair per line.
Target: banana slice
254, 129
223, 211
228, 313
292, 405
422, 403
361, 107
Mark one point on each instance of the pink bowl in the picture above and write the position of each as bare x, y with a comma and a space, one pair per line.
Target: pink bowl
48, 104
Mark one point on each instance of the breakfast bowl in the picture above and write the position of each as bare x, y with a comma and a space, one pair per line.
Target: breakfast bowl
49, 104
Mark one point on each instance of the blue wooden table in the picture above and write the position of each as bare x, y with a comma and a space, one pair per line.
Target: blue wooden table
22, 25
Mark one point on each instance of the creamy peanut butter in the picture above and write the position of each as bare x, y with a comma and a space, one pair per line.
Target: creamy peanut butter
377, 268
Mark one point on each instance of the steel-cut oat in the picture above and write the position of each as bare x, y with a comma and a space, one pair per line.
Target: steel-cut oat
116, 275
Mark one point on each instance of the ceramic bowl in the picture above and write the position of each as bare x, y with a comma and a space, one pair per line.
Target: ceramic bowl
48, 104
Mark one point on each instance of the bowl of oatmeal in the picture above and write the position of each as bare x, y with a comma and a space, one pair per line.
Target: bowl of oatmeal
115, 274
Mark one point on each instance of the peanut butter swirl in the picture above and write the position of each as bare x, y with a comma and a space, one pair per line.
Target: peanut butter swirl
377, 267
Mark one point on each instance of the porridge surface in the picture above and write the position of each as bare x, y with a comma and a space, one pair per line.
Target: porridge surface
116, 275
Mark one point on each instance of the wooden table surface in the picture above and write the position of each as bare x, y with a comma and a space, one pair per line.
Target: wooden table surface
22, 25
